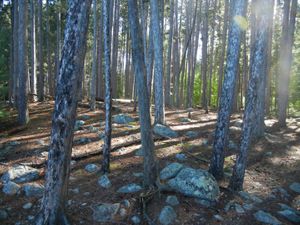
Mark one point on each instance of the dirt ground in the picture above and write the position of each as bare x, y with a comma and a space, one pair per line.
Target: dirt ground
274, 161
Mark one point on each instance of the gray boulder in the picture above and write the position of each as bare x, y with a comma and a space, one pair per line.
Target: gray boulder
123, 119
20, 174
135, 220
250, 197
295, 187
78, 124
167, 216
105, 212
33, 190
11, 188
290, 215
195, 183
170, 171
164, 131
130, 188
267, 218
235, 207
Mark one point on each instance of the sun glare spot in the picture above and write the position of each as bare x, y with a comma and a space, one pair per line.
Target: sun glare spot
241, 22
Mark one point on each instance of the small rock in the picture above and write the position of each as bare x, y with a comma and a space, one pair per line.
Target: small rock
123, 212
268, 154
3, 215
138, 175
105, 212
290, 215
185, 120
75, 190
130, 188
14, 143
33, 190
181, 156
91, 168
248, 207
296, 202
139, 152
265, 217
27, 205
123, 119
30, 217
295, 187
238, 123
83, 140
204, 142
136, 220
250, 197
164, 131
172, 200
234, 206
281, 192
205, 203
218, 217
11, 188
167, 215
20, 174
126, 203
170, 171
85, 117
78, 124
93, 129
86, 193
232, 146
41, 142
191, 134
104, 181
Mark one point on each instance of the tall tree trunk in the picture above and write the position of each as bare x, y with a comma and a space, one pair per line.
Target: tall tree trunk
63, 121
100, 81
115, 43
226, 101
150, 167
49, 66
158, 59
15, 54
108, 91
40, 78
33, 83
168, 66
223, 46
58, 41
95, 62
285, 60
257, 75
23, 116
204, 57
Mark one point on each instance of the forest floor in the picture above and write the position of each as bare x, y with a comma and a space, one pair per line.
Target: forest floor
274, 161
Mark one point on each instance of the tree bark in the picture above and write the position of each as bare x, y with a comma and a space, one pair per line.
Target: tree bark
108, 90
226, 101
33, 83
285, 60
15, 53
158, 59
63, 121
150, 167
94, 62
257, 75
49, 66
23, 115
40, 78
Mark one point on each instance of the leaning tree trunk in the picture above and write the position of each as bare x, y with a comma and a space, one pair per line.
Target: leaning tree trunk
257, 75
23, 116
150, 168
226, 101
108, 90
95, 61
63, 121
158, 59
40, 78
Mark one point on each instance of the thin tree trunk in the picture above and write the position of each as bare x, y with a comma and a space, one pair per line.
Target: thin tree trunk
33, 83
49, 67
40, 78
108, 91
150, 167
223, 46
15, 54
58, 41
95, 62
63, 121
100, 82
226, 101
23, 115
